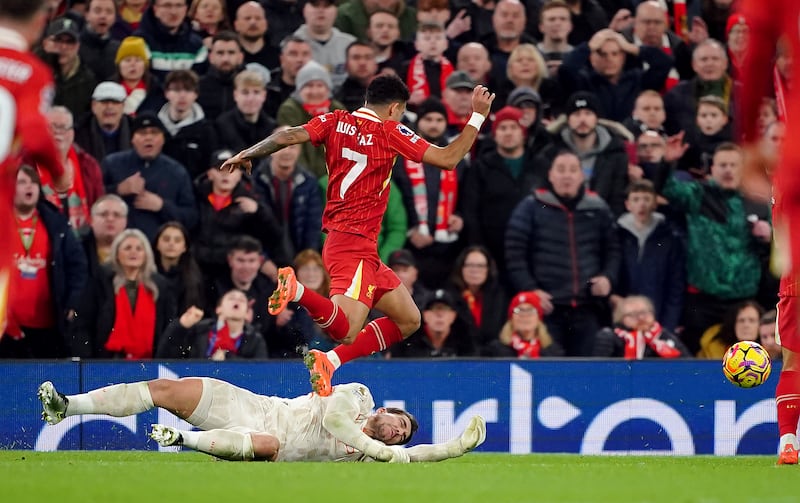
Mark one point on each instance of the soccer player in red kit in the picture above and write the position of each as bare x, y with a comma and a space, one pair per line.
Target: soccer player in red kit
769, 23
26, 87
360, 148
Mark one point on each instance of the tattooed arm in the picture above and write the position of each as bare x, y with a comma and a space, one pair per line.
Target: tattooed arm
269, 145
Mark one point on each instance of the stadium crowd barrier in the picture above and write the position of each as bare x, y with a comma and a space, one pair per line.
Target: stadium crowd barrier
587, 406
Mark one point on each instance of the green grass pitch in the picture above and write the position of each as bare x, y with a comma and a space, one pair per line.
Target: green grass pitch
144, 477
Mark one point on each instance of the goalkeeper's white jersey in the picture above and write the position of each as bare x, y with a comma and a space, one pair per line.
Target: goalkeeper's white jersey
297, 422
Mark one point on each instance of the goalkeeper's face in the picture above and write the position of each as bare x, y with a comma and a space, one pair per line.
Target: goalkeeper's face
389, 428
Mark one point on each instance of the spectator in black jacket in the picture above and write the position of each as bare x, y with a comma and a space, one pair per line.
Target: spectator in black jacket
247, 123
295, 53
106, 129
215, 91
562, 244
191, 137
172, 251
250, 23
98, 49
109, 218
361, 67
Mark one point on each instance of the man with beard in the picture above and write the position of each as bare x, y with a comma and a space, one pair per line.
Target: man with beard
362, 66
295, 53
251, 25
215, 89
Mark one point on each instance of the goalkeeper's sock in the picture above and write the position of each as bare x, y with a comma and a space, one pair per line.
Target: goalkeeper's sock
224, 444
378, 335
117, 400
327, 315
787, 400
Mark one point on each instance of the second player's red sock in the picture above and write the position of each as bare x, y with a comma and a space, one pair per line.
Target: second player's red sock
326, 314
787, 399
376, 336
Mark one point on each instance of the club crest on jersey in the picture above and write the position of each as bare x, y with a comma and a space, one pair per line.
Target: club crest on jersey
404, 130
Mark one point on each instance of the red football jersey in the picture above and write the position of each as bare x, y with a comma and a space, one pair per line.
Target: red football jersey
360, 150
26, 88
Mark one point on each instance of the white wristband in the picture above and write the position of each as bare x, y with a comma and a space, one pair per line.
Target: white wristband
476, 120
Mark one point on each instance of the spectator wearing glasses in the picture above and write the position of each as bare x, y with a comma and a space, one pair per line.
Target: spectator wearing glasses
109, 218
107, 129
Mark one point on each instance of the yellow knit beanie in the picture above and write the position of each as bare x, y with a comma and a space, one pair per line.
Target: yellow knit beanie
133, 46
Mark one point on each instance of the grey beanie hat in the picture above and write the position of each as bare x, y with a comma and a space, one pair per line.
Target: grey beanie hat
310, 72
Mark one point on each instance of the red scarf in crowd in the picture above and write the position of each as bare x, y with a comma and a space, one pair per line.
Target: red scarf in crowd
448, 188
315, 109
77, 209
134, 331
525, 349
780, 93
673, 77
417, 80
475, 306
635, 341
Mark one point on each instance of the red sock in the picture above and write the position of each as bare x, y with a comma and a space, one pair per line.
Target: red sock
327, 315
376, 336
787, 399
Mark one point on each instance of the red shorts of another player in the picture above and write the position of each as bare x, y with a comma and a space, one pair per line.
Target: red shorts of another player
356, 269
787, 332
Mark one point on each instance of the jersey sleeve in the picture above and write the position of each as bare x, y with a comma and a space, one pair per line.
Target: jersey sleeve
33, 101
320, 127
406, 142
346, 404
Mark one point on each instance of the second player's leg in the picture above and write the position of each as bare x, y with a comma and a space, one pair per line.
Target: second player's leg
356, 313
399, 306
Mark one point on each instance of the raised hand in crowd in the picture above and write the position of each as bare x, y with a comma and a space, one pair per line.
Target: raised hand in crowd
191, 317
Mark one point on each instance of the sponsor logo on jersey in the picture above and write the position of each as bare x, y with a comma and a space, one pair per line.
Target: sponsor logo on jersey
404, 130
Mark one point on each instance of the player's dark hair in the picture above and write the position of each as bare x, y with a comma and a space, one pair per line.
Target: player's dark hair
20, 10
387, 89
246, 244
411, 420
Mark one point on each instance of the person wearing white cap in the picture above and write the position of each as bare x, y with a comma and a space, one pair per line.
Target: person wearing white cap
107, 129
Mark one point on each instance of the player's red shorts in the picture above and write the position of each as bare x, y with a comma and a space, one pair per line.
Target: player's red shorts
787, 332
356, 269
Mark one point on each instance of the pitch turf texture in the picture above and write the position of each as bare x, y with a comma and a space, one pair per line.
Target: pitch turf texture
144, 477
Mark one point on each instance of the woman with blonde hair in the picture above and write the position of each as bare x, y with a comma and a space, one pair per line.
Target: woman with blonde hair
525, 335
526, 68
130, 305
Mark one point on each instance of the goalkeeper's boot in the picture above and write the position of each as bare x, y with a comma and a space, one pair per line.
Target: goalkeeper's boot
284, 292
788, 455
54, 404
165, 435
321, 370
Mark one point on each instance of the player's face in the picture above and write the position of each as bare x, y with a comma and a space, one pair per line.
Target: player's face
225, 55
650, 111
430, 44
710, 119
747, 324
476, 269
523, 68
171, 244
170, 12
640, 204
432, 126
101, 16
250, 23
556, 24
234, 306
608, 60
148, 142
582, 122
108, 220
27, 192
727, 169
244, 266
391, 429
130, 254
131, 68
566, 175
384, 29
473, 59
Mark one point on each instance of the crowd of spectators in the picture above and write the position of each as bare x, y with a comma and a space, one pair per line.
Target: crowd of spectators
600, 212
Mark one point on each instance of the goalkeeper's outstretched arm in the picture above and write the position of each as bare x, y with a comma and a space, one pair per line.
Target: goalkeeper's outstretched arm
473, 436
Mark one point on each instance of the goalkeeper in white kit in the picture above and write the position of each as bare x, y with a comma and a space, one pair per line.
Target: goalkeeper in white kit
239, 425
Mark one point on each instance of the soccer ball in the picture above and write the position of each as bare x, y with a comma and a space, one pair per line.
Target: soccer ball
746, 364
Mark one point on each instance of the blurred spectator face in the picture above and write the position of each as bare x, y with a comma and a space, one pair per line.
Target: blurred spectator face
473, 58
65, 46
608, 60
208, 13
637, 314
524, 318
710, 119
224, 181
509, 136
131, 68
556, 24
439, 317
766, 332
225, 55
582, 122
773, 137
311, 275
27, 192
100, 16
459, 101
727, 169
171, 244
131, 254
314, 92
383, 29
361, 62
319, 16
408, 275
747, 324
438, 16
250, 22
709, 62
650, 147
148, 142
508, 19
108, 113
529, 114
566, 175
431, 44
233, 306
244, 265
649, 110
650, 23
766, 116
784, 62
61, 126
180, 97
109, 218
475, 271
373, 5
739, 38
523, 68
640, 204
294, 56
170, 13
249, 99
432, 125
285, 159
